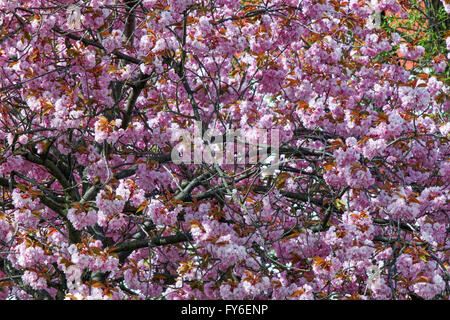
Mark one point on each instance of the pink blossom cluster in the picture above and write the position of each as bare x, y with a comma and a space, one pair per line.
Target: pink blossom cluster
96, 96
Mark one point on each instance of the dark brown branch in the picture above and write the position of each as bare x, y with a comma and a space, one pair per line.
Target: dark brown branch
184, 194
131, 103
125, 249
96, 44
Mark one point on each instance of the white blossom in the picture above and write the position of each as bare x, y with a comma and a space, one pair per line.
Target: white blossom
74, 17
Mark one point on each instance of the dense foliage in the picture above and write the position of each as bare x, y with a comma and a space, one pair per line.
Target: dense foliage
97, 97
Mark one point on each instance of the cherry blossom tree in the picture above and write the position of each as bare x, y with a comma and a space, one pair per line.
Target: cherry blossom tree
97, 96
